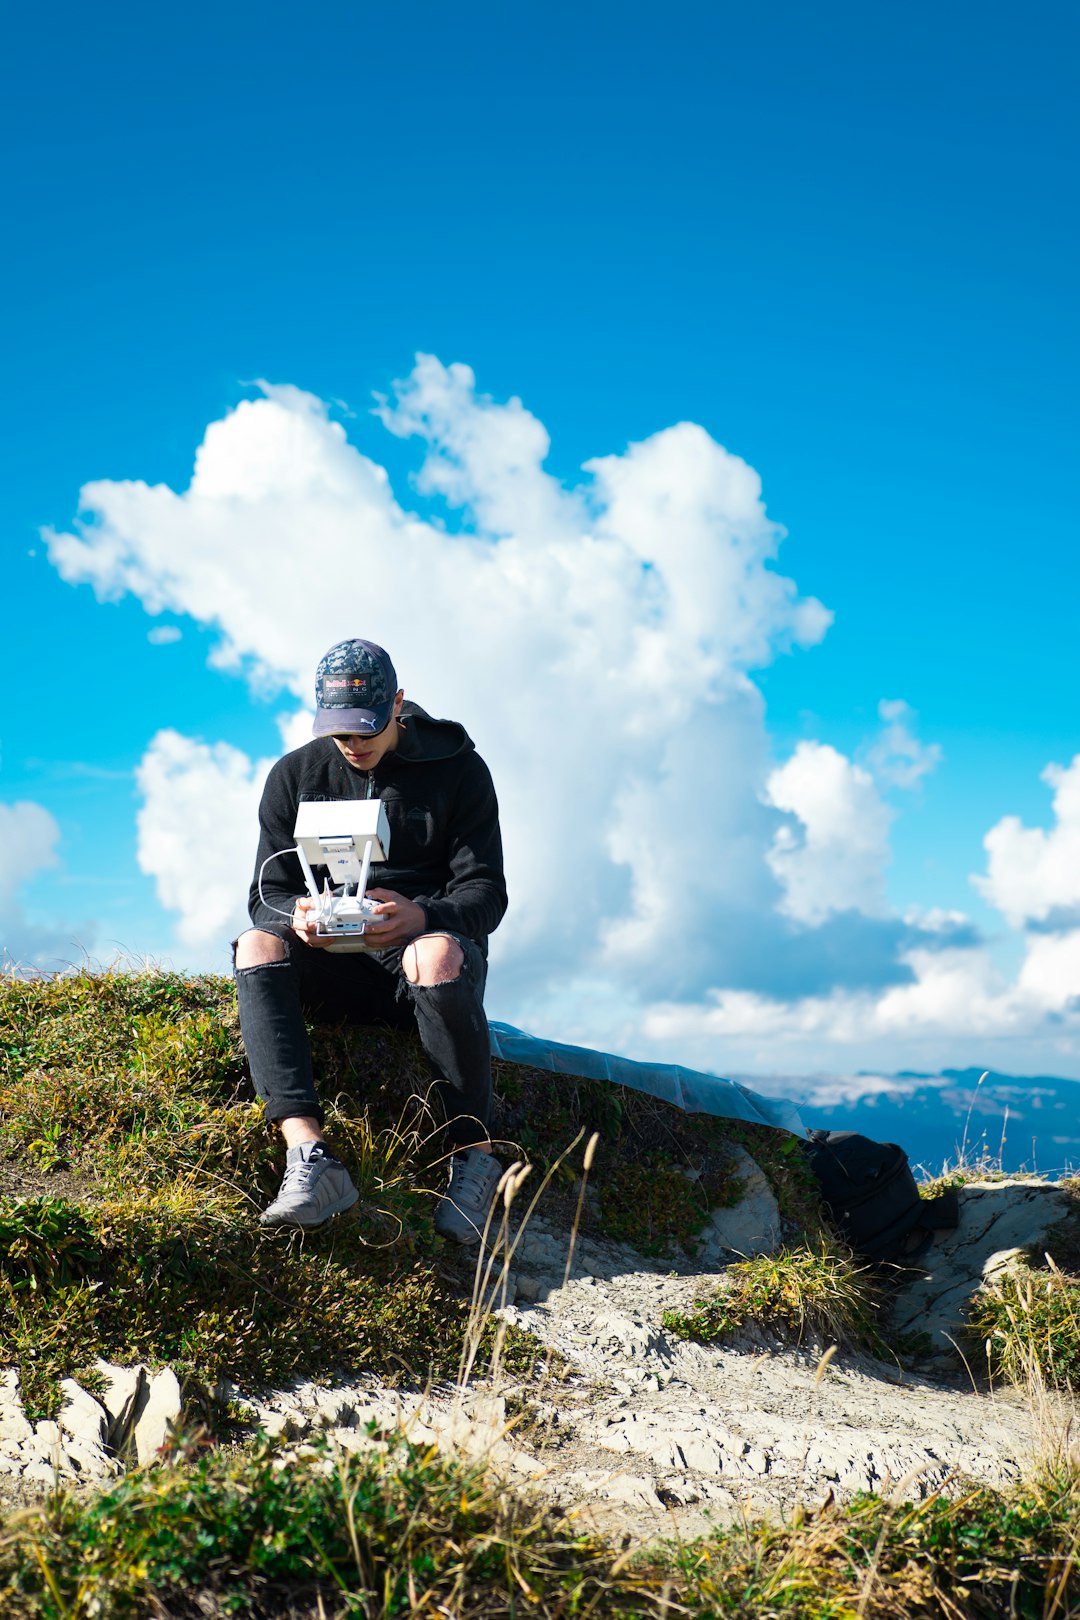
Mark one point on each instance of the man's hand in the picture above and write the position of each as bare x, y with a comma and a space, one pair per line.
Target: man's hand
304, 923
398, 920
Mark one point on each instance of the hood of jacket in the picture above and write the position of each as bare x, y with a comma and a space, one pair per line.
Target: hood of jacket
426, 738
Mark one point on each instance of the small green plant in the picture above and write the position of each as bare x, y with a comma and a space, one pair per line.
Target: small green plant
787, 1170
651, 1207
399, 1531
197, 1052
795, 1294
48, 1337
49, 1148
403, 1530
1028, 1325
45, 1243
975, 1555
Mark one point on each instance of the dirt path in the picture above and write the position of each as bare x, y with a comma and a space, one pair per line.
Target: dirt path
647, 1435
650, 1435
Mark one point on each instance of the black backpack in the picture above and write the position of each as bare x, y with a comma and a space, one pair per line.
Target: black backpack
872, 1196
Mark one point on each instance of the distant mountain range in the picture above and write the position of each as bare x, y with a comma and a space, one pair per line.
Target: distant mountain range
1011, 1121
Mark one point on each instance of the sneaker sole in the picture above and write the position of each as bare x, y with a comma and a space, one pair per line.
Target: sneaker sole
327, 1214
464, 1240
472, 1235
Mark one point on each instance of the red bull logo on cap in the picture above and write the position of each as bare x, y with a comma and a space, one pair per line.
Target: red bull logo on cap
347, 687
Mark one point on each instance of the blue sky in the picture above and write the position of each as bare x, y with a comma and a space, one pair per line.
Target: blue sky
841, 242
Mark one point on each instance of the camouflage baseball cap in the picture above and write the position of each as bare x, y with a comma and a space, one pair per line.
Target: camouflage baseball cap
355, 688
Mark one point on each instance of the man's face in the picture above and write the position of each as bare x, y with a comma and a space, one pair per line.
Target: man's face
364, 750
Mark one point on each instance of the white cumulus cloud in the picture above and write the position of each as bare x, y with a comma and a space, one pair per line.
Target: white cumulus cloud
1050, 974
1033, 873
897, 757
832, 856
195, 828
595, 640
29, 836
672, 887
956, 1001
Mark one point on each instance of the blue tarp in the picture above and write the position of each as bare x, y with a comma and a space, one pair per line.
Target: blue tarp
689, 1089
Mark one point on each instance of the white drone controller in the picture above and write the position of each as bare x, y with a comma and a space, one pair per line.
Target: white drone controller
345, 836
343, 918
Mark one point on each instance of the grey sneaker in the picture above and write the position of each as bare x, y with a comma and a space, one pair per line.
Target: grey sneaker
463, 1208
316, 1186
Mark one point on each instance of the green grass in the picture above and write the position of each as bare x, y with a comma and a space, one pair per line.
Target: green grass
657, 1171
1027, 1326
125, 1105
137, 1087
819, 1294
127, 1113
652, 1205
406, 1531
382, 1533
45, 1244
788, 1173
977, 1555
133, 1158
1024, 1328
231, 1302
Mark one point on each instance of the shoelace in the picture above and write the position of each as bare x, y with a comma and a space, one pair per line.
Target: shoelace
299, 1177
467, 1183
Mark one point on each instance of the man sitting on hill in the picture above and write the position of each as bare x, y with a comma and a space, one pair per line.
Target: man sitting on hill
440, 893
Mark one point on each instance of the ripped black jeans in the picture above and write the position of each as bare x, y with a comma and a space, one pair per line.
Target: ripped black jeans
366, 987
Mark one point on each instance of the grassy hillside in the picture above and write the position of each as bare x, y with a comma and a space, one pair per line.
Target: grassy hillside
133, 1162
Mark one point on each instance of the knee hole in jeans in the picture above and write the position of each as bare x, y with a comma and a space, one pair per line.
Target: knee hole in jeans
257, 948
432, 959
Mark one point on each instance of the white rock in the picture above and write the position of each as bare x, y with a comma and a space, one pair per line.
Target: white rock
279, 1425
997, 1220
124, 1399
703, 1456
357, 1440
163, 1406
90, 1459
335, 1411
14, 1424
1000, 1262
616, 1487
81, 1416
751, 1226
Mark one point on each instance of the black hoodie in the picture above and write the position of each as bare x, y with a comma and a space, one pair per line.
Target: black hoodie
445, 845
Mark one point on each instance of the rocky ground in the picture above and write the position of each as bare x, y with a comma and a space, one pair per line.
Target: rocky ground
637, 1429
